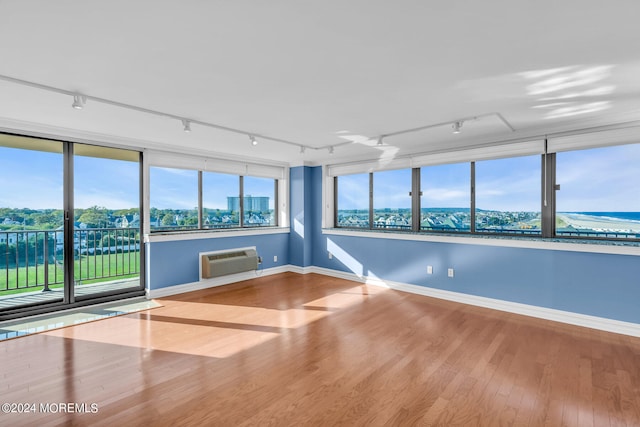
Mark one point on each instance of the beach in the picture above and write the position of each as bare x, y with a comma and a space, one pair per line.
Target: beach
598, 223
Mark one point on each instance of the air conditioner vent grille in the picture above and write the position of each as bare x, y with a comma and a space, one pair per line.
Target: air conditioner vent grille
228, 262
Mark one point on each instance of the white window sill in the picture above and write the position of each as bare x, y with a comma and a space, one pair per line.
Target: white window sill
212, 234
605, 247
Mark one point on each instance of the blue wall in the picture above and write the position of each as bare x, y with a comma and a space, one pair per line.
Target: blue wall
601, 285
176, 262
302, 216
595, 284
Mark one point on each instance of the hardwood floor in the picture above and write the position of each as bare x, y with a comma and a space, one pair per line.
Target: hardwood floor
294, 350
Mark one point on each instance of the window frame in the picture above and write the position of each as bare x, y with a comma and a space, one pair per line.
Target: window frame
200, 208
548, 189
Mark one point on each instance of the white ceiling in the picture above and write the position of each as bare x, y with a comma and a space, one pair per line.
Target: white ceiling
319, 73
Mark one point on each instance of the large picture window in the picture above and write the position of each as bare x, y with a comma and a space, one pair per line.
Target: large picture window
220, 193
259, 196
391, 199
173, 199
508, 195
353, 201
599, 192
445, 204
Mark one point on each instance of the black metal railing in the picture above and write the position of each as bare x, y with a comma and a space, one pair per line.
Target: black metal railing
599, 234
32, 259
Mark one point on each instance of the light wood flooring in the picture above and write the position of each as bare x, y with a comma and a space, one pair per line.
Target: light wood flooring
294, 350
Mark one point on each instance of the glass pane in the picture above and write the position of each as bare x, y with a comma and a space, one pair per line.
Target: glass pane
106, 237
508, 195
599, 192
259, 202
31, 221
173, 195
353, 201
220, 207
391, 200
445, 204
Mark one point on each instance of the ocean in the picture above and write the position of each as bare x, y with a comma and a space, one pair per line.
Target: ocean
633, 216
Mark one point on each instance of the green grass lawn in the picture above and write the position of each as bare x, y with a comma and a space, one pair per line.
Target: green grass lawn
88, 269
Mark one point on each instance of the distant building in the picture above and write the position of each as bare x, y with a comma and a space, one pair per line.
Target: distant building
255, 204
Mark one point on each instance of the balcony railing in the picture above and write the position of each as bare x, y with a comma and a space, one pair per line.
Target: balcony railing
33, 259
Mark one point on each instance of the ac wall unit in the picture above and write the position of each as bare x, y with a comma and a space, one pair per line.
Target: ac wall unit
221, 263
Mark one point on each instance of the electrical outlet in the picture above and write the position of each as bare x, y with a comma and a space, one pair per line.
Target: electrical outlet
429, 269
450, 272
330, 255
275, 258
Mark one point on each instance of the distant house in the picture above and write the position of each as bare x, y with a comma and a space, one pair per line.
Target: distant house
127, 221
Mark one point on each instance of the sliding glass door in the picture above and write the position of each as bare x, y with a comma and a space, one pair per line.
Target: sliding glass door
70, 225
106, 228
31, 222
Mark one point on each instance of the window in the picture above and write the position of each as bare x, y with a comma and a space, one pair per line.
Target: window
508, 195
599, 194
220, 207
588, 189
175, 203
392, 200
173, 199
259, 202
445, 204
352, 201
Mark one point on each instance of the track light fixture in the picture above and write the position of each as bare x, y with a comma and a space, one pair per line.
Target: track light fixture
79, 101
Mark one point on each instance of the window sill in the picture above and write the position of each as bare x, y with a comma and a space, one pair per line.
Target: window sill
575, 245
212, 234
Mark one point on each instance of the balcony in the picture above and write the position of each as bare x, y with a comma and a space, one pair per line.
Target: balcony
31, 263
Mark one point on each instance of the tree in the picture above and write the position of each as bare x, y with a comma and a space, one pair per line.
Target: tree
45, 219
94, 217
190, 220
167, 220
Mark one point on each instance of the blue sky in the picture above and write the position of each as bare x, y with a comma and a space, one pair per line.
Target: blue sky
603, 179
33, 179
593, 180
509, 184
612, 175
178, 188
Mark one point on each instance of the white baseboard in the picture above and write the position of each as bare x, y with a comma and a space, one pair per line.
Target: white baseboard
600, 323
301, 270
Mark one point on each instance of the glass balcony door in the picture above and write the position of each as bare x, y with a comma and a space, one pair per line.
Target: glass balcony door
106, 221
32, 256
70, 225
